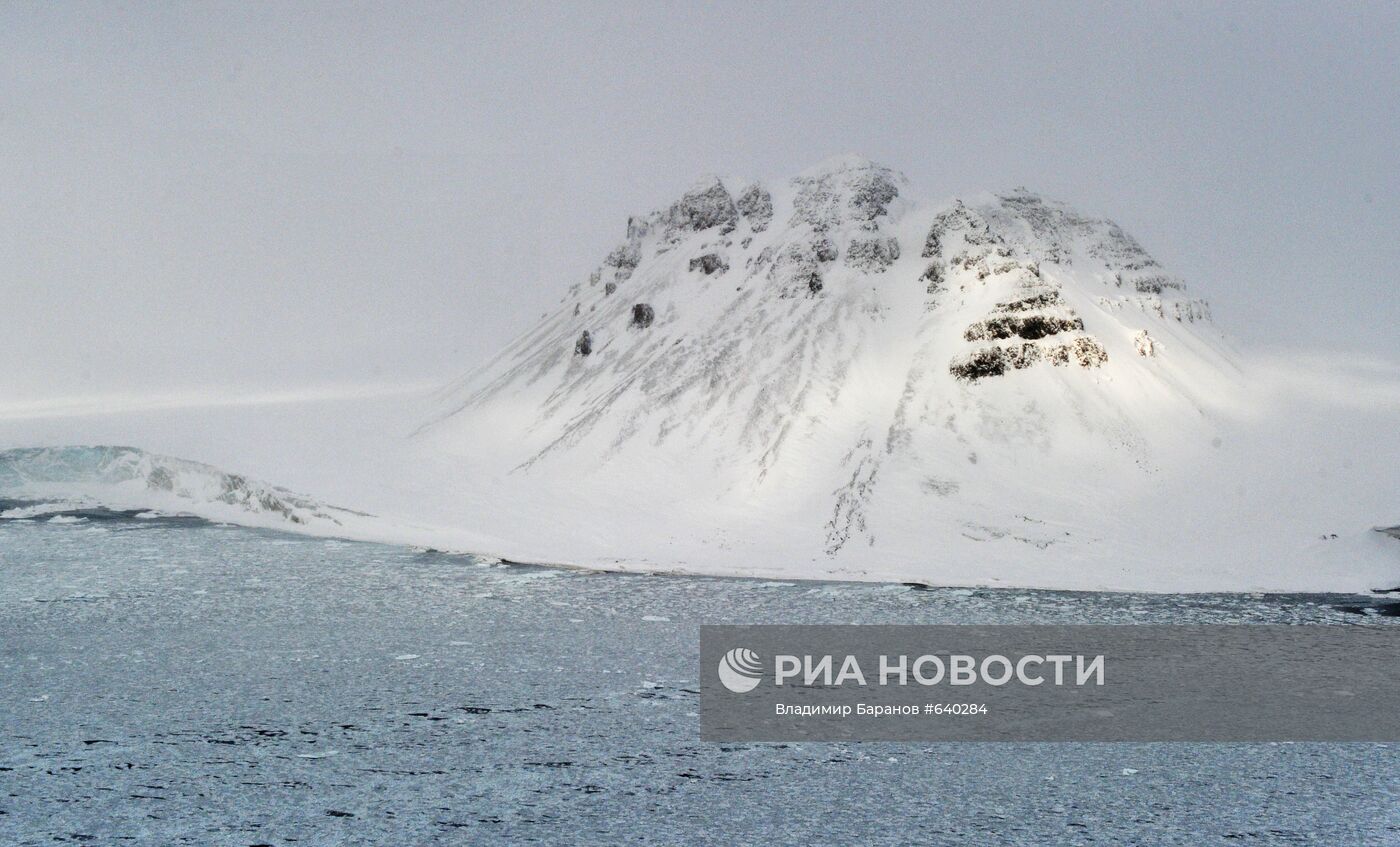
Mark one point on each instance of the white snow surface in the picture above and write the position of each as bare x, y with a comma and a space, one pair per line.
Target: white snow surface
826, 378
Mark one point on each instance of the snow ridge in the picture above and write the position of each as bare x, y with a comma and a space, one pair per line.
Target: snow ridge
130, 478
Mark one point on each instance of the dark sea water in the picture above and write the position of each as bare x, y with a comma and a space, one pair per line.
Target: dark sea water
169, 681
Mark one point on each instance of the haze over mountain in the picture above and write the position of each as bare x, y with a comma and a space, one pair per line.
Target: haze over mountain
831, 374
828, 377
230, 200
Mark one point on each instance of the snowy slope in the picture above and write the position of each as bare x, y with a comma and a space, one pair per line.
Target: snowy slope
827, 377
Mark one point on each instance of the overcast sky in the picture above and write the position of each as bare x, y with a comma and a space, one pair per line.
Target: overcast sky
279, 194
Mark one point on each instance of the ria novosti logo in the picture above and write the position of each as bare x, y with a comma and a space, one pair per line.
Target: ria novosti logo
740, 670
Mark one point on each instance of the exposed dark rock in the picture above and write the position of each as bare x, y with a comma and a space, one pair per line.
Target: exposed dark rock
1022, 355
1086, 352
1029, 327
756, 204
857, 191
619, 264
957, 219
609, 288
933, 245
1155, 284
642, 315
872, 191
981, 236
872, 254
584, 345
1089, 352
625, 257
933, 275
707, 204
709, 263
995, 361
797, 268
979, 364
1039, 300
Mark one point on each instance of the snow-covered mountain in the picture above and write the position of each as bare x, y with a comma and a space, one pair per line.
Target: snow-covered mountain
832, 371
829, 377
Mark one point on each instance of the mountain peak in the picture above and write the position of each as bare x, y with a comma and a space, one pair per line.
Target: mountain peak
832, 345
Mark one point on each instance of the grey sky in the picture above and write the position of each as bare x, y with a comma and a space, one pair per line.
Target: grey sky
277, 194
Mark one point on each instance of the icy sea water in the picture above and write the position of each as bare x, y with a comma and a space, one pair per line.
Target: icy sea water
174, 682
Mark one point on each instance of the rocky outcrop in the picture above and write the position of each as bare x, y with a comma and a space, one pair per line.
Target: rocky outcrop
1153, 284
797, 269
1031, 302
756, 205
980, 364
872, 255
642, 315
710, 263
1029, 327
995, 361
850, 190
584, 345
618, 265
957, 220
705, 205
624, 258
989, 247
1086, 352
